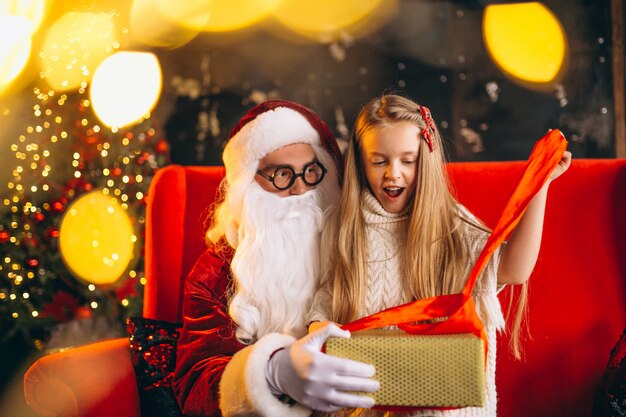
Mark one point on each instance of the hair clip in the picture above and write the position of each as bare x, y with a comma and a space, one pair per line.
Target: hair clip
429, 131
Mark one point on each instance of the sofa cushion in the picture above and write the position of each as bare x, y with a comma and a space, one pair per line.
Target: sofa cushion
153, 354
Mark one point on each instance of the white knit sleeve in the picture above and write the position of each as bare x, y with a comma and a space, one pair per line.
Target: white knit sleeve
322, 304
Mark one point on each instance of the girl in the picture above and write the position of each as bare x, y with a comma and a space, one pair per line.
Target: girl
402, 236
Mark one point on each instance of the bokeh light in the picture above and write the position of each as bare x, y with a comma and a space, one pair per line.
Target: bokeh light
125, 87
217, 15
324, 20
32, 10
96, 238
150, 26
525, 40
74, 46
15, 46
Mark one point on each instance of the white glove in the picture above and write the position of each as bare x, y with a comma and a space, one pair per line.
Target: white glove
317, 380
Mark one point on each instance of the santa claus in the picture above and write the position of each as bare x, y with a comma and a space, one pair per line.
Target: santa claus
243, 349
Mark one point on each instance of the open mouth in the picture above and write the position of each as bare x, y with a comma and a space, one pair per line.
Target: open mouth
393, 192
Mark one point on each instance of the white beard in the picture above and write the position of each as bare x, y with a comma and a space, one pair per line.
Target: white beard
276, 262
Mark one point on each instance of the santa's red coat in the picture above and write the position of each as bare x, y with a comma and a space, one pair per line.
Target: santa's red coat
215, 374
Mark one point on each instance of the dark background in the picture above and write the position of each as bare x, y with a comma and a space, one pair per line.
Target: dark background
431, 51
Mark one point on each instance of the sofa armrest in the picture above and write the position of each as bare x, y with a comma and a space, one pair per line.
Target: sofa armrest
94, 380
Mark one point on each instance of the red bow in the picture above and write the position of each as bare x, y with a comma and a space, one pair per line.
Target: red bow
429, 131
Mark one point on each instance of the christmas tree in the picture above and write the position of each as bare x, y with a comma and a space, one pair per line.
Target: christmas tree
72, 211
64, 155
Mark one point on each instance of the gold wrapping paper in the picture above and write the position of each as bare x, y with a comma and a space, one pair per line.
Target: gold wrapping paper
419, 370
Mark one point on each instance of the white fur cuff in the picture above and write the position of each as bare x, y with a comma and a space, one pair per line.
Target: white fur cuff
243, 389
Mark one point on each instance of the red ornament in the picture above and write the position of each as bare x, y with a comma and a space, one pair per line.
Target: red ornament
39, 217
4, 236
116, 172
32, 262
88, 148
52, 233
63, 307
29, 242
77, 183
143, 158
82, 313
58, 206
162, 146
127, 290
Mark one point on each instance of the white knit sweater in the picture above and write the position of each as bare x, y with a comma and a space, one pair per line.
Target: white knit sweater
386, 234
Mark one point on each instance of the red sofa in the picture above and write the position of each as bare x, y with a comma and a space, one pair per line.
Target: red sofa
577, 301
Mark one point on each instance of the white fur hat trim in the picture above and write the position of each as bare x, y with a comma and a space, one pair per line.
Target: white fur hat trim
266, 133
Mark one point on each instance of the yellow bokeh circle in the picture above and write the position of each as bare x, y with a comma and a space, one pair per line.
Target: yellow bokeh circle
15, 46
526, 40
32, 10
96, 238
323, 20
150, 26
74, 46
216, 15
125, 87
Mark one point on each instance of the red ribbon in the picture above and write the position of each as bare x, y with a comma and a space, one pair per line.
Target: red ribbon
459, 309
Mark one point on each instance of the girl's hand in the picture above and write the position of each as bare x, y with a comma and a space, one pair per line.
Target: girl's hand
564, 163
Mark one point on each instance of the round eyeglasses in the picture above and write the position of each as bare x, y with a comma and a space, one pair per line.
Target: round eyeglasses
284, 176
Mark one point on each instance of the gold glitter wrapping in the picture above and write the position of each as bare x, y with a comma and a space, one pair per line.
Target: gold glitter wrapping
419, 370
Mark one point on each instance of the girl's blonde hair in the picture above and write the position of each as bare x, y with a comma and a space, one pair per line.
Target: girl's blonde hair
435, 258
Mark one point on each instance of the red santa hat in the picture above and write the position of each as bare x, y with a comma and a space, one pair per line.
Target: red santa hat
272, 125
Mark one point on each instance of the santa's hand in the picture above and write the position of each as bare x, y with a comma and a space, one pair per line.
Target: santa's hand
317, 380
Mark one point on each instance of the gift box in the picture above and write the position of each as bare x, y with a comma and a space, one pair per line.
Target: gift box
419, 370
